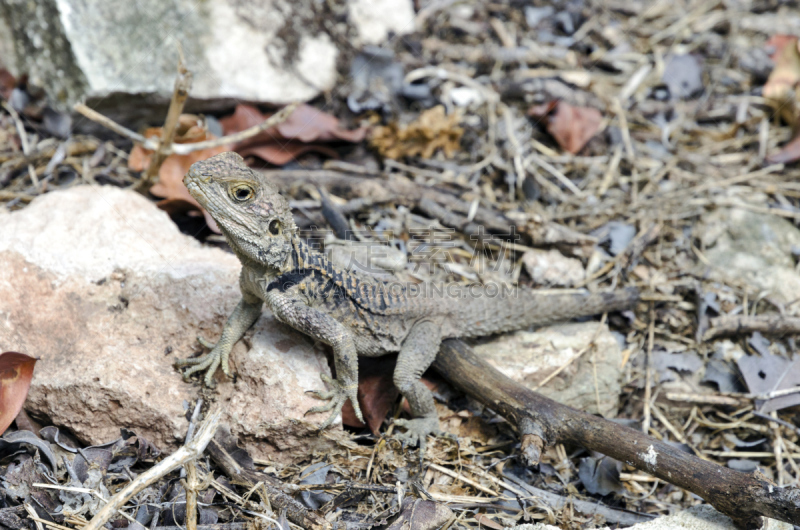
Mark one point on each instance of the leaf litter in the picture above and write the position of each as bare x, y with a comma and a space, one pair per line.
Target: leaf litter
644, 115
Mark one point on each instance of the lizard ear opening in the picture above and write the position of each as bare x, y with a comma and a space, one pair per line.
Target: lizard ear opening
274, 227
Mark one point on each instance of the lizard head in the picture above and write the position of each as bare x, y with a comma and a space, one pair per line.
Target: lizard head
255, 219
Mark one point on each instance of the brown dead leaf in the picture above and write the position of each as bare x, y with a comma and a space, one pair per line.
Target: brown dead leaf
572, 127
306, 129
7, 83
785, 75
787, 154
376, 392
781, 89
16, 372
177, 199
433, 130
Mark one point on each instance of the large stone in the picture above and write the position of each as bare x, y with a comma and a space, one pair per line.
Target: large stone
756, 249
588, 376
376, 19
273, 51
103, 287
700, 517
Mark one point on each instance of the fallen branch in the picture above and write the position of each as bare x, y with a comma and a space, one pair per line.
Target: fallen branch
764, 324
741, 496
185, 454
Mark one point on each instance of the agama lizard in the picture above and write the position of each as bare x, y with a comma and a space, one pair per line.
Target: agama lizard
355, 313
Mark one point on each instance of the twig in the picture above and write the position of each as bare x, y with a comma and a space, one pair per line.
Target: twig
648, 370
276, 119
462, 478
574, 357
764, 324
185, 454
23, 140
192, 485
179, 95
112, 125
706, 399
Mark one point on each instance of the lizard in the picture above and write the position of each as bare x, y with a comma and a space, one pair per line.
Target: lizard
355, 313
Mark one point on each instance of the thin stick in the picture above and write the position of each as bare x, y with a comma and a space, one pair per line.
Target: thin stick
276, 119
764, 324
623, 127
88, 491
23, 140
574, 357
184, 149
185, 454
649, 370
179, 95
562, 178
112, 125
462, 478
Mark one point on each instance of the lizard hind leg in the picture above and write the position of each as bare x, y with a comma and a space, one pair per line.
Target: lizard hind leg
416, 355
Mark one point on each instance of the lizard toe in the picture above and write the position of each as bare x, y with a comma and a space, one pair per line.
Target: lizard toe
205, 343
321, 394
209, 378
417, 430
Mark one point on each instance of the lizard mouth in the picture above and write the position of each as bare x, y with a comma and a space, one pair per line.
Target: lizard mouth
194, 189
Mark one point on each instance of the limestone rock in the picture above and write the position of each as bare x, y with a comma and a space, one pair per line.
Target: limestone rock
552, 268
700, 517
103, 287
754, 248
374, 19
529, 357
269, 52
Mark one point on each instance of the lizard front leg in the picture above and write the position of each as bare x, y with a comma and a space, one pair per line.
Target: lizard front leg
323, 327
244, 316
418, 351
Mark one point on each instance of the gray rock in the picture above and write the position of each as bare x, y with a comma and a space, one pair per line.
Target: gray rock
101, 285
375, 19
754, 248
552, 268
529, 357
269, 52
700, 517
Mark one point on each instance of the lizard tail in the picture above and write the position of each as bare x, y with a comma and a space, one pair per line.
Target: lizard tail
491, 310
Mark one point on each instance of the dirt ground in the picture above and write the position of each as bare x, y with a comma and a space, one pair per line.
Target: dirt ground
650, 143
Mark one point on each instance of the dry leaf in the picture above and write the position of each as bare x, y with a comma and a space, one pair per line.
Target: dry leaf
785, 75
572, 127
177, 199
781, 90
306, 129
433, 130
16, 372
376, 392
7, 83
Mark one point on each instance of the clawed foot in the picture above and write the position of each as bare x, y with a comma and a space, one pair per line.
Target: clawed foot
417, 431
340, 392
208, 362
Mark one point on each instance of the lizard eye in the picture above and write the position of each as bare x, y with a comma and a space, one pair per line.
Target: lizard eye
242, 193
274, 227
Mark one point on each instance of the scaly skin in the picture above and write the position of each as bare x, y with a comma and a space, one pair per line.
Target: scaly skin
356, 314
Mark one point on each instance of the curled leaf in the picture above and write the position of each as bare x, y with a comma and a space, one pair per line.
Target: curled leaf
177, 199
306, 129
572, 127
16, 372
